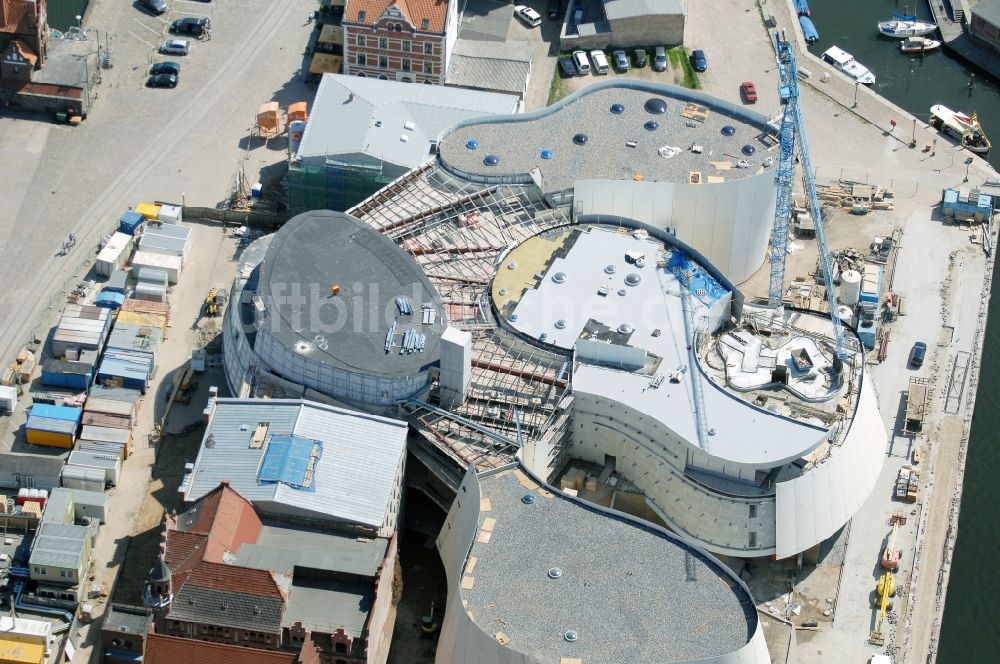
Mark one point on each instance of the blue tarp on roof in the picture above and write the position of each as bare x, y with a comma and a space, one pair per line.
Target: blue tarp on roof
56, 412
289, 459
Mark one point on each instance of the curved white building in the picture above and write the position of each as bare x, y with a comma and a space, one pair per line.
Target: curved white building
536, 576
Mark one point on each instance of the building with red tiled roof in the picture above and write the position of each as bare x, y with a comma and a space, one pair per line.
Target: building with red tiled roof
227, 587
400, 40
23, 21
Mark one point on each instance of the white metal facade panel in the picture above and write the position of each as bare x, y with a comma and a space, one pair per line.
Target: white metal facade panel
813, 506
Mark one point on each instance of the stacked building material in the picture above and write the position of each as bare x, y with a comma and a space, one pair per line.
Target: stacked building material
145, 313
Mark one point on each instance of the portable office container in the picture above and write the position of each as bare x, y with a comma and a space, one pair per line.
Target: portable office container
83, 478
97, 403
170, 214
74, 375
129, 222
150, 275
91, 504
117, 282
81, 327
110, 464
150, 292
109, 299
50, 432
114, 254
148, 210
120, 450
125, 369
171, 264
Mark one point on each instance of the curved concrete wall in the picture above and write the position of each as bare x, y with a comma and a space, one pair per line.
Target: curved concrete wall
727, 222
463, 641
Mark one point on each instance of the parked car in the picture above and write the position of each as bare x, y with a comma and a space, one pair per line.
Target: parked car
155, 6
698, 60
640, 57
162, 81
165, 67
175, 47
554, 9
528, 16
190, 25
660, 59
917, 354
620, 60
566, 67
581, 62
749, 92
600, 61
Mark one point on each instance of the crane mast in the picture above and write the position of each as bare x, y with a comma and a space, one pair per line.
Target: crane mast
792, 125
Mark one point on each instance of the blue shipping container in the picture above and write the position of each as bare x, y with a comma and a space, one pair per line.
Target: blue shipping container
129, 222
56, 412
110, 299
70, 380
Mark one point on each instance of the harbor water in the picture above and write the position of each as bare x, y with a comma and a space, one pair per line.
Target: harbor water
971, 628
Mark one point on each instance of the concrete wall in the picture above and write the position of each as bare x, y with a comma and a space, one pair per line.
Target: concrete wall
728, 222
650, 30
383, 614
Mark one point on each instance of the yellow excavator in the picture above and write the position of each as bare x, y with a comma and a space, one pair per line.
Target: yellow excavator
215, 301
886, 588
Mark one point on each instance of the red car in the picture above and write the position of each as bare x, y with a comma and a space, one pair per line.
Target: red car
749, 92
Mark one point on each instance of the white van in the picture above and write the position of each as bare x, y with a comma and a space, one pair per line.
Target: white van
600, 61
581, 62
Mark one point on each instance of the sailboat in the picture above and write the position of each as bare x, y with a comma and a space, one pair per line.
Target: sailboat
901, 26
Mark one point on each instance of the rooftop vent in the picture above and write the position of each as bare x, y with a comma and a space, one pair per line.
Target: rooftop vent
625, 328
622, 291
512, 318
633, 279
547, 154
512, 265
655, 106
728, 130
610, 269
543, 336
559, 277
554, 572
651, 125
472, 144
403, 138
748, 150
581, 139
571, 635
560, 324
528, 499
409, 126
503, 291
491, 160
617, 109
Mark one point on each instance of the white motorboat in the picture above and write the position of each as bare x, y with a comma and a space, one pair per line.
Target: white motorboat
901, 26
846, 63
919, 45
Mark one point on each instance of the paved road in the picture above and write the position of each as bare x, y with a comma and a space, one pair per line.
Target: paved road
139, 144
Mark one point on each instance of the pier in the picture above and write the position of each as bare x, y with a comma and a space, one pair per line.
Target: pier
950, 16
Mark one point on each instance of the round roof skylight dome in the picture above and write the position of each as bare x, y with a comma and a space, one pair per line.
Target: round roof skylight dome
581, 139
610, 269
560, 324
749, 150
651, 125
728, 130
547, 154
617, 109
491, 160
472, 144
633, 279
559, 277
655, 106
625, 328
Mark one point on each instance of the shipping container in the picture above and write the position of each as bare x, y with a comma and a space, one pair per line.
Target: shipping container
170, 214
109, 299
81, 327
91, 504
148, 210
114, 254
117, 282
109, 463
59, 373
150, 275
120, 450
92, 419
84, 479
125, 369
150, 292
64, 439
129, 222
172, 264
109, 406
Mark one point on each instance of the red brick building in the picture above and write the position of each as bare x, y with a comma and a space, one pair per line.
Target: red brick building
228, 588
24, 38
400, 40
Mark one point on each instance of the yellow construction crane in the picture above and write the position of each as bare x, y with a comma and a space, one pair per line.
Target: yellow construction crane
886, 588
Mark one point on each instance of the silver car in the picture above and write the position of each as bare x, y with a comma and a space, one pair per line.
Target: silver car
175, 47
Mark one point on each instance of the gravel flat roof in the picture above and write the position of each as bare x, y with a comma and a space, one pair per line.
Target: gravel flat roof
317, 250
518, 141
631, 594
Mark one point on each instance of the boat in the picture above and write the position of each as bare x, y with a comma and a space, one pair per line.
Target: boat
919, 45
846, 63
901, 26
802, 7
960, 126
808, 30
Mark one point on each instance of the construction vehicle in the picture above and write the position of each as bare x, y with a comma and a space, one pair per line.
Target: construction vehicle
215, 301
890, 557
792, 125
885, 589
